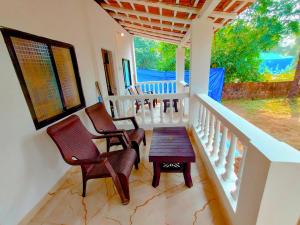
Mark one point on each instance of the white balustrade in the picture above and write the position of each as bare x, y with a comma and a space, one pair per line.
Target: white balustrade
159, 87
149, 117
228, 145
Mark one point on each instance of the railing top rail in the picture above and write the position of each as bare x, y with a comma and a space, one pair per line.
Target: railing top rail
272, 148
152, 82
147, 96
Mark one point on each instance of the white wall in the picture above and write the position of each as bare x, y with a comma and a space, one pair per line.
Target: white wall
29, 161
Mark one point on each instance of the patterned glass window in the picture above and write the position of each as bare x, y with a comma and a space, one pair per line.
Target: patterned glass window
48, 74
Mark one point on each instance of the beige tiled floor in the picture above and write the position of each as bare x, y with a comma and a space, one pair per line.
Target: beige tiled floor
171, 203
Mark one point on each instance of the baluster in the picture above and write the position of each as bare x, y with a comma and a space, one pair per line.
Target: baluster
181, 110
211, 133
198, 127
167, 87
115, 108
133, 107
236, 191
124, 108
221, 155
151, 110
230, 159
216, 140
143, 109
171, 108
174, 87
161, 110
203, 121
206, 129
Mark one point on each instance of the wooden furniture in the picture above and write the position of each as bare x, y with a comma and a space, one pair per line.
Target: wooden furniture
171, 151
75, 144
138, 103
140, 92
103, 124
167, 104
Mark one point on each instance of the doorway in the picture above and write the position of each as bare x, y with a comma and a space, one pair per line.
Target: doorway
109, 72
109, 76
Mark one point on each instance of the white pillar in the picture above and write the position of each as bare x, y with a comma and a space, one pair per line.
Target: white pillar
180, 61
201, 40
134, 69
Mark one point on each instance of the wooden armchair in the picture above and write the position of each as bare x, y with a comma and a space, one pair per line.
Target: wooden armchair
103, 124
75, 144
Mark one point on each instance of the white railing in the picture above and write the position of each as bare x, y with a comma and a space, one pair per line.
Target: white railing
148, 115
159, 87
252, 171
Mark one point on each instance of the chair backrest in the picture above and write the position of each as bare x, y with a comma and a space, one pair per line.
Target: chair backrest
100, 117
139, 90
73, 140
132, 91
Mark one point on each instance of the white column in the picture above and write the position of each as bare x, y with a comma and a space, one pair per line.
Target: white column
201, 39
180, 60
134, 69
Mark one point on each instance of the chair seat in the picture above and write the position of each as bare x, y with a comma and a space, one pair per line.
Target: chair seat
135, 135
121, 160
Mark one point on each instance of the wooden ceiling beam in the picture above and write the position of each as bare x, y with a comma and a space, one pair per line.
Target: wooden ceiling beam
173, 7
146, 15
127, 25
144, 22
155, 35
155, 38
204, 12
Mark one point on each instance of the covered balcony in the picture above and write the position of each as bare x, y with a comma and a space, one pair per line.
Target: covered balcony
242, 175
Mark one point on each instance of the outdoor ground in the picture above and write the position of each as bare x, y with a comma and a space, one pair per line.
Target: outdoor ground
279, 117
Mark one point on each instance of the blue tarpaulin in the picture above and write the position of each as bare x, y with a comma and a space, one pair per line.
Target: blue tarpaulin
216, 80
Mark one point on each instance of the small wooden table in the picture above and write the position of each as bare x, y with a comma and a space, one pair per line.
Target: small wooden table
171, 151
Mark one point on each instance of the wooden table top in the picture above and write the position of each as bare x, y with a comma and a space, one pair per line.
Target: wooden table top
170, 144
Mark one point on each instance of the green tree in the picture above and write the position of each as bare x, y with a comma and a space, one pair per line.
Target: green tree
237, 46
146, 53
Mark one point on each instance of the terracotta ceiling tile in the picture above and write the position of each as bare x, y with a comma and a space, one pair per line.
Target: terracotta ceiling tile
167, 22
182, 15
153, 10
167, 12
127, 5
140, 8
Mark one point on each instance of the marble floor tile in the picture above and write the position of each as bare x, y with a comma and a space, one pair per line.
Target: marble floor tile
171, 203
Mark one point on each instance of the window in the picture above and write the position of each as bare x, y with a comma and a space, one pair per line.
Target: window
48, 74
126, 73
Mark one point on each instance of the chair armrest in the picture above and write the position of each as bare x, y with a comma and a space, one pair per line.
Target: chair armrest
132, 118
77, 162
120, 134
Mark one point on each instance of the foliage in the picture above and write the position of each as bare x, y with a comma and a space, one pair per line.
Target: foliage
238, 45
146, 53
160, 56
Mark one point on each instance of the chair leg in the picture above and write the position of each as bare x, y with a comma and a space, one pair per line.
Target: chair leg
137, 108
107, 144
136, 147
84, 181
144, 140
125, 187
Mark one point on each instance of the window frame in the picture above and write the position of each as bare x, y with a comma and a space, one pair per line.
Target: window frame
7, 34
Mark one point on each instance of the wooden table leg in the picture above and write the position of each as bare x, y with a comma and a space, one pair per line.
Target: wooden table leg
156, 174
187, 174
